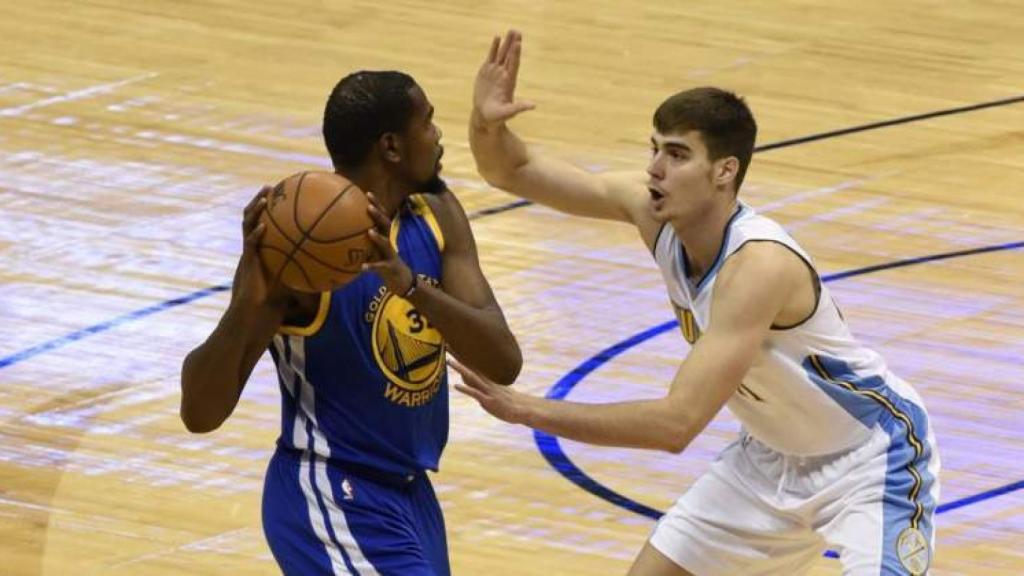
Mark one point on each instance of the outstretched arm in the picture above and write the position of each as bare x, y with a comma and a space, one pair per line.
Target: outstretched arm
743, 311
505, 161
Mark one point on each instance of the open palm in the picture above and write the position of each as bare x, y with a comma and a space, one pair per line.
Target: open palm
494, 91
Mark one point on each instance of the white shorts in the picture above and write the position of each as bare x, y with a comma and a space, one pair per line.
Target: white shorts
757, 511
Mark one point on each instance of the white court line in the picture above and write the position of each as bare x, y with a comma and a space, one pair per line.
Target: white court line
199, 544
80, 94
816, 192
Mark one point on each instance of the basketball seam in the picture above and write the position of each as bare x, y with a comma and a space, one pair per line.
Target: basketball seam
305, 235
295, 211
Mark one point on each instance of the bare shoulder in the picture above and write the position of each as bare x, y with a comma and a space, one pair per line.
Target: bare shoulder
451, 220
446, 208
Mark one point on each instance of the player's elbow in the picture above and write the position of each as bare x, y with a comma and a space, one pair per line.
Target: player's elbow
196, 422
674, 436
675, 444
510, 366
195, 412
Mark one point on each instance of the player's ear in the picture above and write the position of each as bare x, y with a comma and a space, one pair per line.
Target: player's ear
726, 169
390, 147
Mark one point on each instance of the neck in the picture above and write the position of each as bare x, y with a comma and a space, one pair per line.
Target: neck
388, 192
703, 237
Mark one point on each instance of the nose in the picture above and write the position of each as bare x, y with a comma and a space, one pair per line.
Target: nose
654, 167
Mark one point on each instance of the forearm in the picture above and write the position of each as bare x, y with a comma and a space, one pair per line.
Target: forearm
505, 162
479, 337
498, 152
213, 375
650, 424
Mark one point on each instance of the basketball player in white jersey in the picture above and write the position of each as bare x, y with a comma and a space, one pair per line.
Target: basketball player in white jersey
835, 450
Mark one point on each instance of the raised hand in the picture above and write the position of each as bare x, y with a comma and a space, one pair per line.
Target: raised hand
395, 273
495, 87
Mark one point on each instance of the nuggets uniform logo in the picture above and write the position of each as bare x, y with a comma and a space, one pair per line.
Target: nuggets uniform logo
687, 323
913, 551
408, 350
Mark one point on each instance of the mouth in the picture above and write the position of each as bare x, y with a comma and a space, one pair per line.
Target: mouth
655, 194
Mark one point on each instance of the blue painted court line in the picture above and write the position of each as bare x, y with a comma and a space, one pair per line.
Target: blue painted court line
109, 324
547, 444
552, 451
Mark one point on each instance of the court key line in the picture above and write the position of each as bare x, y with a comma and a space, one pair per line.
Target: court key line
556, 457
548, 445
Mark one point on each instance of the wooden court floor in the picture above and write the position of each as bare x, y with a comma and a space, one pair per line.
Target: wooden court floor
131, 135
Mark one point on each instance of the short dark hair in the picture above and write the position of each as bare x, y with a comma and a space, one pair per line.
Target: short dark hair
723, 119
362, 107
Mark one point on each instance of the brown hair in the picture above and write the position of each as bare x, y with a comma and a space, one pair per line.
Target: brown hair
722, 118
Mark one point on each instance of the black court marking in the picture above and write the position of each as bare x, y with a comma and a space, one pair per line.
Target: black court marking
545, 442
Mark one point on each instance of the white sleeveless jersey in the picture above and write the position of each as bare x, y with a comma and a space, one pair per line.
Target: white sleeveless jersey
812, 389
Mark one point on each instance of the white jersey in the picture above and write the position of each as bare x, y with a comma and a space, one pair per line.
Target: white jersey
813, 389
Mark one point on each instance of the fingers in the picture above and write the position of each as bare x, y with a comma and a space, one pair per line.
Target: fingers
492, 54
505, 47
260, 196
253, 210
253, 237
469, 377
382, 243
513, 62
519, 107
471, 392
379, 219
458, 366
380, 236
376, 212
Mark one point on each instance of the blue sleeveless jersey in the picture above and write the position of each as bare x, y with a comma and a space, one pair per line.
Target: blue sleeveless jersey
366, 382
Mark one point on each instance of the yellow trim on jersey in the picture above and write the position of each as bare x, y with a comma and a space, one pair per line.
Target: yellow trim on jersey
911, 437
422, 207
393, 235
314, 327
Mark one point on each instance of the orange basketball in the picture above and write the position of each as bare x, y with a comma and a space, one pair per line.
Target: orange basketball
315, 238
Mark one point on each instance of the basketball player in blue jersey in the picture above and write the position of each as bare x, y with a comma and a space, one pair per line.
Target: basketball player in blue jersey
362, 369
834, 449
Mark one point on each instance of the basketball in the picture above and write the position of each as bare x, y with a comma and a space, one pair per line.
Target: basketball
315, 237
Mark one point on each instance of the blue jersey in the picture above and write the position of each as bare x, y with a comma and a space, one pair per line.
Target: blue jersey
366, 382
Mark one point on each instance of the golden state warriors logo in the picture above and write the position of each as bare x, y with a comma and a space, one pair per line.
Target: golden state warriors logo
913, 552
408, 350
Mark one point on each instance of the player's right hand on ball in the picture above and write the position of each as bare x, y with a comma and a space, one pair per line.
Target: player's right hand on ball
495, 87
251, 287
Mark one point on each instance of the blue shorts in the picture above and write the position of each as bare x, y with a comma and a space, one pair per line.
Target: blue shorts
324, 517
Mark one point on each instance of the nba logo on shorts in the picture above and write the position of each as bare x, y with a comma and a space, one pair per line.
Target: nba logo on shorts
346, 488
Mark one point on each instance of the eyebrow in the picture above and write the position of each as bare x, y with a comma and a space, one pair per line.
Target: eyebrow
430, 113
671, 144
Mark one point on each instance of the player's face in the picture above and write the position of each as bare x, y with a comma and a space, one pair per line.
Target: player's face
424, 146
680, 177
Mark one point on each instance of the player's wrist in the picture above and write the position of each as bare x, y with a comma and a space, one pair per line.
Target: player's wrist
413, 286
478, 123
522, 409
